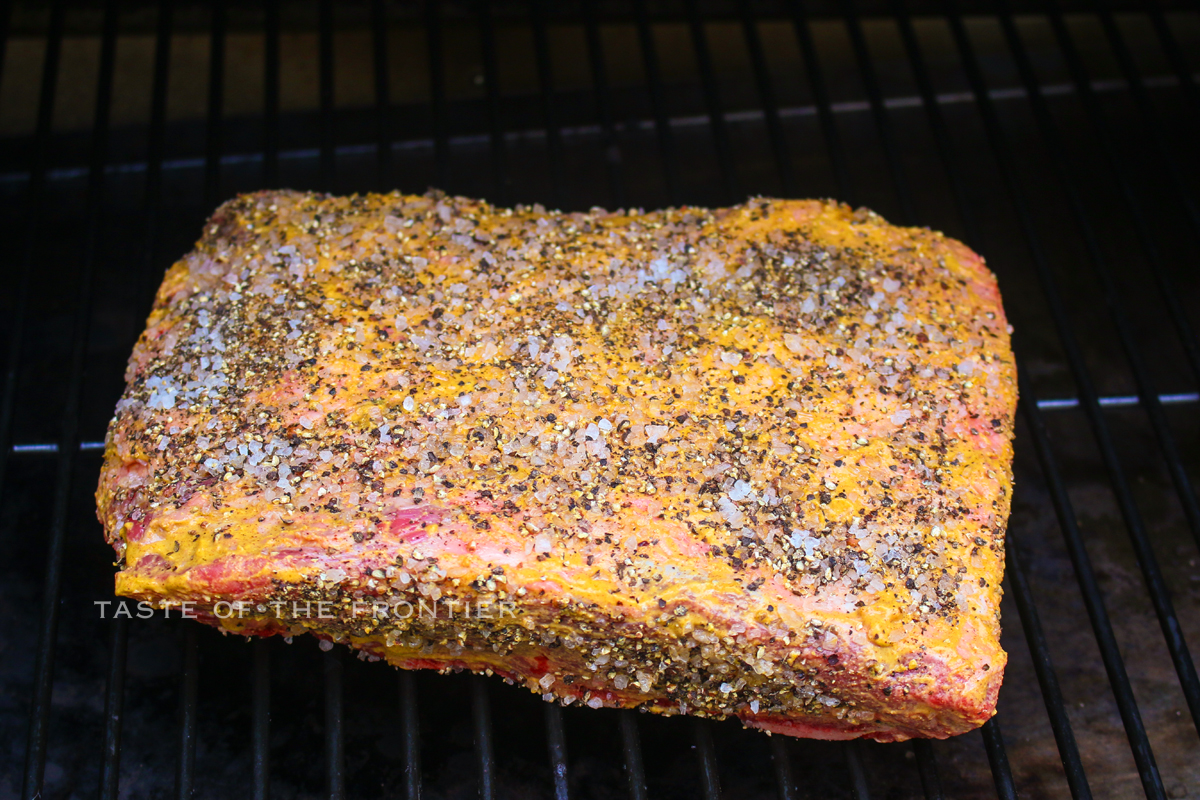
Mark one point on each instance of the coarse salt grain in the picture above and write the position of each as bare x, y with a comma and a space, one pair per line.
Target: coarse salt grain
730, 513
655, 432
740, 491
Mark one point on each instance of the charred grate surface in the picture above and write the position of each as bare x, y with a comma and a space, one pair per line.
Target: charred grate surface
1057, 141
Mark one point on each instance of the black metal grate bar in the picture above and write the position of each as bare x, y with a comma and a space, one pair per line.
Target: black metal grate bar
216, 106
114, 708
556, 741
712, 101
1053, 404
1174, 55
481, 709
34, 199
491, 84
879, 113
5, 22
658, 103
554, 146
328, 153
631, 746
190, 680
334, 669
555, 735
156, 152
260, 733
411, 725
437, 91
701, 733
710, 780
383, 131
261, 719
816, 85
114, 694
937, 121
271, 80
993, 743
859, 786
409, 715
1152, 123
335, 755
1056, 708
189, 690
1093, 600
931, 781
485, 750
862, 58
1121, 401
766, 97
612, 148
781, 759
845, 108
43, 680
630, 740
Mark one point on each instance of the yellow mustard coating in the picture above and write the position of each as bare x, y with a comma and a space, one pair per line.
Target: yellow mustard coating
779, 433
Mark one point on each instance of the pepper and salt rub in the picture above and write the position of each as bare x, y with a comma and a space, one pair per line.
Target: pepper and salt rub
748, 462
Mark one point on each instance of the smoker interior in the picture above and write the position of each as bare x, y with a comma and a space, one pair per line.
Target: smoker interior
1058, 142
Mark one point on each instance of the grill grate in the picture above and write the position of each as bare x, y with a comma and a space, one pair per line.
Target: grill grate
1076, 188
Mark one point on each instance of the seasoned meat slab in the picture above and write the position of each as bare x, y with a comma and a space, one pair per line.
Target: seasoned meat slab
748, 462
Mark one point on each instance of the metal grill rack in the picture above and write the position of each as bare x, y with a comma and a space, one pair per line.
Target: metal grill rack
1059, 141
